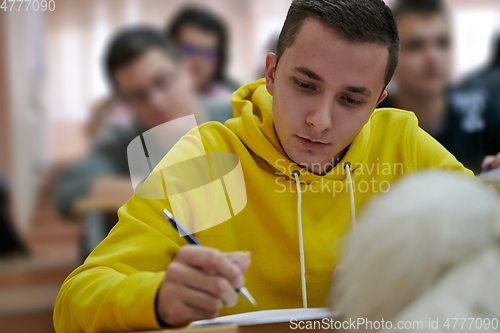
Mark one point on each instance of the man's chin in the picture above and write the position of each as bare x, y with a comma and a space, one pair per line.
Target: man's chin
313, 165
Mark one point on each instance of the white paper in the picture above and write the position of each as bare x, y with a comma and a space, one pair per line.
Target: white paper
267, 317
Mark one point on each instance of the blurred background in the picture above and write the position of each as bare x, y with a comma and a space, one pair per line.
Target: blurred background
52, 86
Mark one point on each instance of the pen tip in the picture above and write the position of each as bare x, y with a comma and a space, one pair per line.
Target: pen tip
246, 295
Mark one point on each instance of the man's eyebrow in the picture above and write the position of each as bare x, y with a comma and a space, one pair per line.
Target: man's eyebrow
359, 90
309, 73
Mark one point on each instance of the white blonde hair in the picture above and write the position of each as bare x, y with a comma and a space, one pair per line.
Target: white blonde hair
409, 238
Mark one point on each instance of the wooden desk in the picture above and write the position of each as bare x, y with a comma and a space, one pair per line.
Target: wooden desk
264, 328
106, 196
494, 183
491, 178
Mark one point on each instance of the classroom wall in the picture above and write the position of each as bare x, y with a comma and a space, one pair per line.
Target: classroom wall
27, 144
4, 105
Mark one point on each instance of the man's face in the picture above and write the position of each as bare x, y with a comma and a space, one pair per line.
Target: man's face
324, 90
199, 52
425, 58
154, 87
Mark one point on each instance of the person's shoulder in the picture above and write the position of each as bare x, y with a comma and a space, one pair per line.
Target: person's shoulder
211, 127
392, 128
217, 136
389, 116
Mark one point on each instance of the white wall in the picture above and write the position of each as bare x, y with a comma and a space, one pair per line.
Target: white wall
475, 25
28, 131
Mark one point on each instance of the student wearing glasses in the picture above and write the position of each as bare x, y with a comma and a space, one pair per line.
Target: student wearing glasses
144, 71
203, 40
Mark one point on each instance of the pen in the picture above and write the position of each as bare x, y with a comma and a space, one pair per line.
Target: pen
192, 240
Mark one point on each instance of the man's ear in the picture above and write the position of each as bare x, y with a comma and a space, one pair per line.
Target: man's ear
270, 72
382, 97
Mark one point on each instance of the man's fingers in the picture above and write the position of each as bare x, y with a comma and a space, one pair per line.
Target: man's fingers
488, 160
210, 260
240, 259
179, 273
197, 314
180, 313
200, 300
491, 162
496, 162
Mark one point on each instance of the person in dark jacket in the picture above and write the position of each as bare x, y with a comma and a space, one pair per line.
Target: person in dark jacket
464, 119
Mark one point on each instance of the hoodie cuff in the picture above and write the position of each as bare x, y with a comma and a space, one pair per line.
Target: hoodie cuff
137, 304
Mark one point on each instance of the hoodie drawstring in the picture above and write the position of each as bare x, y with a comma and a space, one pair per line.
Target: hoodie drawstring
347, 168
296, 174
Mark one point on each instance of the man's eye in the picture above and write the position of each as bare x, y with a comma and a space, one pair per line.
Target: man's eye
304, 86
443, 43
136, 97
352, 101
414, 46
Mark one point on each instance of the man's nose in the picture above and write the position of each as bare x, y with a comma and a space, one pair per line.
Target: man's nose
434, 53
157, 98
320, 118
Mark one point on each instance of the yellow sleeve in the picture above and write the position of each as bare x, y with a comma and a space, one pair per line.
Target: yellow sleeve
430, 154
115, 289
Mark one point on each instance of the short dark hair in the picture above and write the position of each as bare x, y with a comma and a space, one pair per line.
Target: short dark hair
206, 21
129, 44
353, 20
401, 7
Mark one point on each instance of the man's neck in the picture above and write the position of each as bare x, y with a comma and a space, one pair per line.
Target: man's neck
429, 108
324, 169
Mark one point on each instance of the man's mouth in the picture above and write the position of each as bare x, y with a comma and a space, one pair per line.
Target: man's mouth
311, 144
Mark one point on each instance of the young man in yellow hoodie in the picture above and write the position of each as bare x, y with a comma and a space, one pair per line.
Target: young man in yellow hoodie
312, 152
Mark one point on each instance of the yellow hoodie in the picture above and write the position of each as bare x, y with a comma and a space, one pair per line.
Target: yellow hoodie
114, 290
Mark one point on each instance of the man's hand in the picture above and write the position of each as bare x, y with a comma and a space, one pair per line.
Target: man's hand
198, 283
491, 162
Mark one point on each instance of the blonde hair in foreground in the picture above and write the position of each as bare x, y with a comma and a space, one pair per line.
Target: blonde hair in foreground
429, 248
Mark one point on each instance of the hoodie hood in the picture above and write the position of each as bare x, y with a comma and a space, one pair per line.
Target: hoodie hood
252, 122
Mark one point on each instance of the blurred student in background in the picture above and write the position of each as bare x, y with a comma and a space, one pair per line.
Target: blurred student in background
465, 121
488, 77
144, 71
487, 81
203, 42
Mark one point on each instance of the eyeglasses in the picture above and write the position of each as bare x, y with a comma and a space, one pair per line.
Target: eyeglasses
191, 51
162, 84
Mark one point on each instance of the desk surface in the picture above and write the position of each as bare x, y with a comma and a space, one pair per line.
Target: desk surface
264, 328
221, 329
107, 194
494, 183
107, 205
